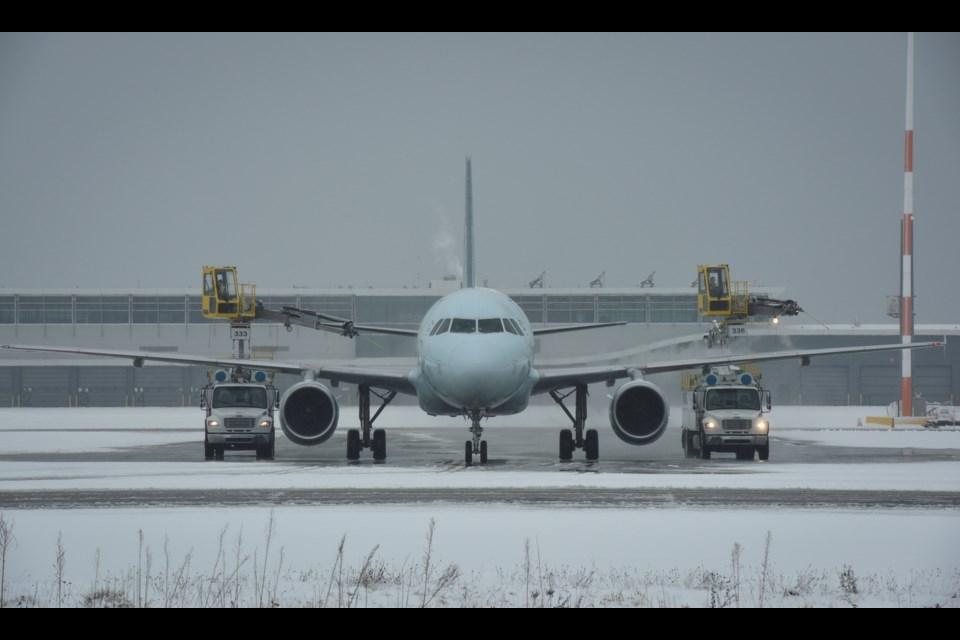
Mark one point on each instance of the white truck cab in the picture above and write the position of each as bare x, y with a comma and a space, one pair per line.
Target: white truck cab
725, 413
239, 416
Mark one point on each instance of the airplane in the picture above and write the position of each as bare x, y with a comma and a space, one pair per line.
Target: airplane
475, 358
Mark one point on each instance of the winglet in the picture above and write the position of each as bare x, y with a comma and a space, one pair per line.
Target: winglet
470, 267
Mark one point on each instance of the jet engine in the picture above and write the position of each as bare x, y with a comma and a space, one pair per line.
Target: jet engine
308, 413
639, 412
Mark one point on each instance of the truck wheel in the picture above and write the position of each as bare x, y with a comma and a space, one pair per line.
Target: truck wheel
566, 444
271, 449
207, 450
704, 453
218, 453
591, 444
745, 453
353, 444
687, 439
763, 453
266, 451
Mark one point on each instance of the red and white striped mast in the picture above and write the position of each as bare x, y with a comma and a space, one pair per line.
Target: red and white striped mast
906, 249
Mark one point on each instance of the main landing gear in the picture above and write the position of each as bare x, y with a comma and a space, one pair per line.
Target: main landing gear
577, 438
367, 437
475, 446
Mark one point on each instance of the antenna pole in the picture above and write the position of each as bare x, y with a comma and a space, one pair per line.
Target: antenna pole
906, 249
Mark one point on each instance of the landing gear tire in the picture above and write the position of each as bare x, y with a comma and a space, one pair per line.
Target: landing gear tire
591, 444
566, 444
763, 453
379, 444
468, 453
353, 444
483, 452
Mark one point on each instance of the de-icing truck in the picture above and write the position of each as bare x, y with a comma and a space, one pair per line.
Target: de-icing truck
725, 413
239, 416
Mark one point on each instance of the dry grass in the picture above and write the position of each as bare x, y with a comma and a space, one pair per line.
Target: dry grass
238, 577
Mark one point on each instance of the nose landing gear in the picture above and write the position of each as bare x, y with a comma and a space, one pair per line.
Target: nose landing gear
475, 446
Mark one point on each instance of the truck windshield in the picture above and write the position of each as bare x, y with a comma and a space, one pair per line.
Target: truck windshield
733, 399
226, 397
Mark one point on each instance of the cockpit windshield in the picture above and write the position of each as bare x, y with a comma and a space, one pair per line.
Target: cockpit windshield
463, 325
470, 325
440, 327
490, 325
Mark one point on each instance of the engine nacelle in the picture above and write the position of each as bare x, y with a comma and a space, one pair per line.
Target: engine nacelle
639, 412
308, 413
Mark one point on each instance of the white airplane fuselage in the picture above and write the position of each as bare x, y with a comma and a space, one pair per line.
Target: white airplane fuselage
474, 355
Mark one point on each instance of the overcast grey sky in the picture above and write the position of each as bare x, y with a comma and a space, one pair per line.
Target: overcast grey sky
338, 159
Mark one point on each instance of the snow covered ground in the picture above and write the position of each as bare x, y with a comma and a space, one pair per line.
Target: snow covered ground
471, 555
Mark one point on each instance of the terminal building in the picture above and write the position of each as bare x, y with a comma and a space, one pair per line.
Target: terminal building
662, 324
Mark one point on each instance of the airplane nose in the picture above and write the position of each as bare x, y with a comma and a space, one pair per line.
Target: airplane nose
479, 357
479, 374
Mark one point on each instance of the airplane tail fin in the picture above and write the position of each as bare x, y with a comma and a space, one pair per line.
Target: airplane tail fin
469, 279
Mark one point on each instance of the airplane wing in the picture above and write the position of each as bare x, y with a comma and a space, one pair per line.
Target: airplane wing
399, 380
387, 378
394, 379
323, 322
560, 377
574, 327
